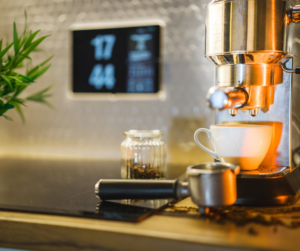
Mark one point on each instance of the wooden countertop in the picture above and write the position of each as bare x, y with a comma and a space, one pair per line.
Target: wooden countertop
164, 231
158, 232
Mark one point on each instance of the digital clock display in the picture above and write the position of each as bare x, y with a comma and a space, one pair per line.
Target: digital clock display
116, 60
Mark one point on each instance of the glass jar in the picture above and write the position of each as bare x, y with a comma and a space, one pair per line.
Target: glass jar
143, 155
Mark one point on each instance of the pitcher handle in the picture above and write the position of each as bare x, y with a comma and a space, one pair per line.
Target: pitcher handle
208, 132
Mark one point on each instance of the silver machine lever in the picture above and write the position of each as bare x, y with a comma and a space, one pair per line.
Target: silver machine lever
296, 70
226, 98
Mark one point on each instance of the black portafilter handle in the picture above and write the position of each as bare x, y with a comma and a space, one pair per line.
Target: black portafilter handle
141, 189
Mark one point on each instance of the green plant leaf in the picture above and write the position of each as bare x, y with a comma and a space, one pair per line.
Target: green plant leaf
27, 57
7, 81
37, 74
41, 95
40, 65
22, 84
6, 91
8, 106
2, 53
16, 39
39, 50
42, 101
18, 100
19, 110
28, 79
1, 102
1, 44
8, 118
34, 44
31, 47
2, 111
14, 78
30, 38
25, 27
19, 65
22, 41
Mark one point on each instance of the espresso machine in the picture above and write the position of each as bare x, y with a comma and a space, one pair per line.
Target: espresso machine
250, 44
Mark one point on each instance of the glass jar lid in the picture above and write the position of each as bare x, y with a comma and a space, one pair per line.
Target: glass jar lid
143, 133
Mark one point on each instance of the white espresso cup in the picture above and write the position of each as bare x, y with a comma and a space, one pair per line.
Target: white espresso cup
244, 145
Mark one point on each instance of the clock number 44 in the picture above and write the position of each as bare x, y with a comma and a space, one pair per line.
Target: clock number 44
103, 75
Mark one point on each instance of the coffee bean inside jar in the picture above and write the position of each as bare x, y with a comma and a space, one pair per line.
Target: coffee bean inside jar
143, 155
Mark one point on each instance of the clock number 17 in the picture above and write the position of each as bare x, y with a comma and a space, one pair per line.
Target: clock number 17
103, 46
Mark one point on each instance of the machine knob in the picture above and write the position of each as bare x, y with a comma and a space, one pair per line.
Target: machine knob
226, 98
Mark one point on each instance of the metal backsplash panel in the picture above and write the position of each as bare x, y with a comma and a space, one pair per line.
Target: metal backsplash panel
93, 128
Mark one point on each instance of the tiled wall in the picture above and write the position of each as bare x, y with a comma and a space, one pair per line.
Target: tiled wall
93, 128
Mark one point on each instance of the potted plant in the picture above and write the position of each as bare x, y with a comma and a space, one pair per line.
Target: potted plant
13, 57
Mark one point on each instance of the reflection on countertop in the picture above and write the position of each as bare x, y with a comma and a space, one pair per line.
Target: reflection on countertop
60, 186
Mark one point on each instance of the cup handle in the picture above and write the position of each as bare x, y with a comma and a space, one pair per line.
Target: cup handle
208, 132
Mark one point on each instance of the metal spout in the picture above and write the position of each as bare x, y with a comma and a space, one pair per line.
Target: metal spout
253, 112
233, 112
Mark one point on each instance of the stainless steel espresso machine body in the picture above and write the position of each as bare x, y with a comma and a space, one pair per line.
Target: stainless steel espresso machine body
249, 42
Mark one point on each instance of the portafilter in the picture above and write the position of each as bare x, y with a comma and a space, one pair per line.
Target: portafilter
209, 185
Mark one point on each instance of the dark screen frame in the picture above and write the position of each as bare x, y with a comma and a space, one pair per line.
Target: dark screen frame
160, 94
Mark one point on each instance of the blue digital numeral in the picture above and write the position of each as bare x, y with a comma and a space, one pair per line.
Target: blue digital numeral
103, 75
103, 46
